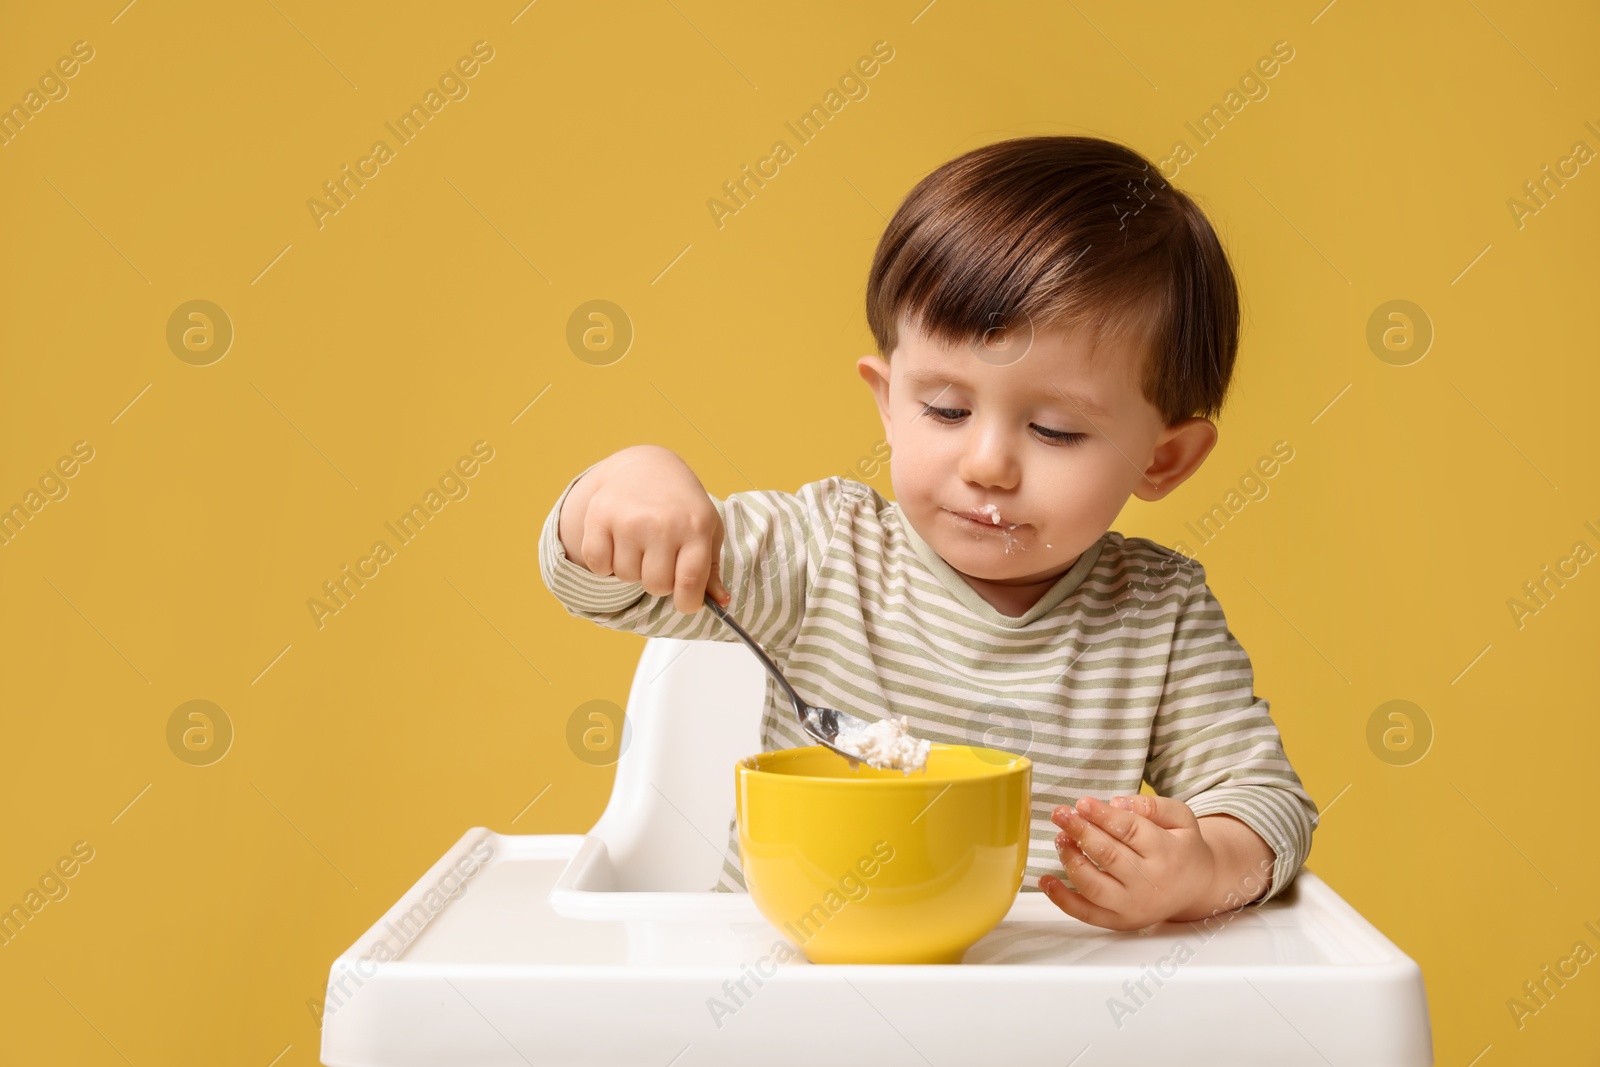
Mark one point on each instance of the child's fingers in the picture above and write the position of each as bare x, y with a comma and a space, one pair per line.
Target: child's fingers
717, 590
693, 578
1115, 858
628, 560
658, 570
1121, 824
1167, 812
1076, 905
1090, 880
596, 549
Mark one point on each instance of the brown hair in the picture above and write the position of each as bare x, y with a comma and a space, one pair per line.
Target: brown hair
1063, 232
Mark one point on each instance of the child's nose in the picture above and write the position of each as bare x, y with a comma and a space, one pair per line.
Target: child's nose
987, 458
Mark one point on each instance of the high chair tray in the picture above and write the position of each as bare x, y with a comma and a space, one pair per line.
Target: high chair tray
510, 951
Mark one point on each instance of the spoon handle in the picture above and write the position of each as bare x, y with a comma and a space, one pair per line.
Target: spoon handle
766, 660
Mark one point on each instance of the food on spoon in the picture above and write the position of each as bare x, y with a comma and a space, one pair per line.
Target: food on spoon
887, 745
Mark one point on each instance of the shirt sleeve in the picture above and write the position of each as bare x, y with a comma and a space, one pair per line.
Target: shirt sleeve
768, 538
1214, 744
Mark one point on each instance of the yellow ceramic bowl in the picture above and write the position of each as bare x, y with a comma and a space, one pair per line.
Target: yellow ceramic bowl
877, 866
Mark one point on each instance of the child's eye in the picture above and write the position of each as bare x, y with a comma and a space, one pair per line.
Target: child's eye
1060, 436
951, 415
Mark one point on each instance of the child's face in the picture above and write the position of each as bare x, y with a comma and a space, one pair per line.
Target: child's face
983, 445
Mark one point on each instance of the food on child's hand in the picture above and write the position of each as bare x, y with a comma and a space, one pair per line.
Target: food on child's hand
887, 745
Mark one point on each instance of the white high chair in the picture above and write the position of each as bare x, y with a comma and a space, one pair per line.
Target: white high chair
609, 948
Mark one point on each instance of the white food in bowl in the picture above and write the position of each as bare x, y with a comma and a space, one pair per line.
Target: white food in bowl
887, 745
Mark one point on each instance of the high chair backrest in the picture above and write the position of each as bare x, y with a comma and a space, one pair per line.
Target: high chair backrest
694, 710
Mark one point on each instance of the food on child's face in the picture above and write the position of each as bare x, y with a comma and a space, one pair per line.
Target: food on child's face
887, 745
991, 512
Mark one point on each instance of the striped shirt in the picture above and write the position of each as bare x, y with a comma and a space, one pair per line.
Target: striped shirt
1123, 672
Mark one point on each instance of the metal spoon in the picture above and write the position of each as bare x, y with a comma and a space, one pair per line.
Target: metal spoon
822, 725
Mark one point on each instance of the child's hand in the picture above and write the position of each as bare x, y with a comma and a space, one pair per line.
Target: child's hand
642, 515
1153, 862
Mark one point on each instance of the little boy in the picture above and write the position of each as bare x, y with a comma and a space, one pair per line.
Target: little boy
1055, 326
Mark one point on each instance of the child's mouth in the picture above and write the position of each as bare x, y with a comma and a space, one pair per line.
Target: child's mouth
988, 520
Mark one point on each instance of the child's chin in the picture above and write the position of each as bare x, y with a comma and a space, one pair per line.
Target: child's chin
978, 561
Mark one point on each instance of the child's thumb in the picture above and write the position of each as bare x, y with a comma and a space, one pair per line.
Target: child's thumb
718, 591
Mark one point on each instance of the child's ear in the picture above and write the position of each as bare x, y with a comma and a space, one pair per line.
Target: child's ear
874, 370
1178, 453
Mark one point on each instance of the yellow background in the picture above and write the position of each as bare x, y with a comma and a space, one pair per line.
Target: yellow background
370, 353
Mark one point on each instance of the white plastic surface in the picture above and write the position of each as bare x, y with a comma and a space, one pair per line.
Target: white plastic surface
608, 948
693, 712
